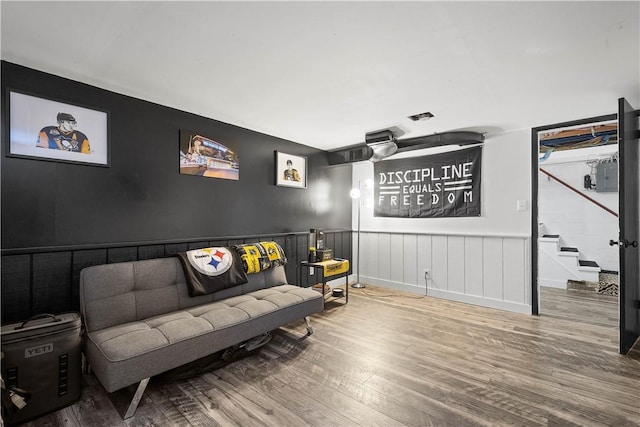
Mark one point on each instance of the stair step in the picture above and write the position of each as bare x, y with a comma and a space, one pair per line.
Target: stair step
569, 252
560, 262
583, 263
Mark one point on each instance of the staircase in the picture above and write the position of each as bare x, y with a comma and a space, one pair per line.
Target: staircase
557, 264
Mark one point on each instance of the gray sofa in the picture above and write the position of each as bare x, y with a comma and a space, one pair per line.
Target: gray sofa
140, 320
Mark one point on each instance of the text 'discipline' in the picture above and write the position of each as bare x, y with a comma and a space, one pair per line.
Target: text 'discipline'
439, 185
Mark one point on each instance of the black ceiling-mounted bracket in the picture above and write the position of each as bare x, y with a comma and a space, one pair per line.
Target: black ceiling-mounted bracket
381, 144
379, 137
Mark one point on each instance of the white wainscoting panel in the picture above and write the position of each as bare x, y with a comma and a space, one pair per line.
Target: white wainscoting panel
410, 261
397, 257
492, 268
384, 256
440, 264
491, 271
455, 266
473, 271
369, 254
514, 270
424, 261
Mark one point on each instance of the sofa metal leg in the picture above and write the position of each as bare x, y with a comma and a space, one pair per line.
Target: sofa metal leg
309, 328
133, 405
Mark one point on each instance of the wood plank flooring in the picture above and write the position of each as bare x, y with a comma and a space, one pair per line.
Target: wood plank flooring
395, 359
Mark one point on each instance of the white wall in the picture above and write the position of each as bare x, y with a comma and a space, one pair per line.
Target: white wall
506, 168
490, 271
579, 222
481, 260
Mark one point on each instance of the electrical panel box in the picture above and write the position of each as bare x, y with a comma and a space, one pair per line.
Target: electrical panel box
607, 177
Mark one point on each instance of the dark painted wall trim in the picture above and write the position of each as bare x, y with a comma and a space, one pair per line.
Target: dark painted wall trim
21, 251
35, 282
534, 197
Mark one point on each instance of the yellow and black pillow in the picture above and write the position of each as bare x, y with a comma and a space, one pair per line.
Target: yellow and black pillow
260, 256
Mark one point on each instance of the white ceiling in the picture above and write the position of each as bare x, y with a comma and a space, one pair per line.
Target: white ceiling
325, 73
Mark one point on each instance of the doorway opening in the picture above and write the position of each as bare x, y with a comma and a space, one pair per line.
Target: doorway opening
574, 218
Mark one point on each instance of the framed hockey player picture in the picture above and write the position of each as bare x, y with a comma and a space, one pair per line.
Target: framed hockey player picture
45, 129
291, 171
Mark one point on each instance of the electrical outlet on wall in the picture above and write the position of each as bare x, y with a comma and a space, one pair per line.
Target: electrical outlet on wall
521, 205
427, 274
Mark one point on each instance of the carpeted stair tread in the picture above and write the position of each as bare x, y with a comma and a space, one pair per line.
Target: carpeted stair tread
551, 236
568, 249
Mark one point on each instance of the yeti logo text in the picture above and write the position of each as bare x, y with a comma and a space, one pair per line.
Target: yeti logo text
38, 351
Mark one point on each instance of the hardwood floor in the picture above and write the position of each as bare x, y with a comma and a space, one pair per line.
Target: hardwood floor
390, 359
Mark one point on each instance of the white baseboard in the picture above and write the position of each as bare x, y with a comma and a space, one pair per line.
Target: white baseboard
453, 296
552, 283
421, 290
514, 307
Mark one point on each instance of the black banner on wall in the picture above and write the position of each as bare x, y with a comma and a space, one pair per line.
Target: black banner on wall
440, 185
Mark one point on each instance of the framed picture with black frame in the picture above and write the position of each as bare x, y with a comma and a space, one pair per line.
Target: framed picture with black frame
47, 129
291, 170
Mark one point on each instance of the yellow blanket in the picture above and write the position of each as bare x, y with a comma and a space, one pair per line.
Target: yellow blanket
260, 256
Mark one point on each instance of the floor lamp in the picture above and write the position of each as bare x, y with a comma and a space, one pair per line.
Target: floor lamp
355, 194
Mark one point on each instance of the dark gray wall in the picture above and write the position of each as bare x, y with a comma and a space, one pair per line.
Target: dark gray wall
142, 196
52, 209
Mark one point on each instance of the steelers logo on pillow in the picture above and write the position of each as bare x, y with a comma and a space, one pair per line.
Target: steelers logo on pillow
211, 261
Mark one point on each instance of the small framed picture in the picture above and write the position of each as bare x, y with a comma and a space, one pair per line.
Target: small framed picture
44, 129
291, 171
